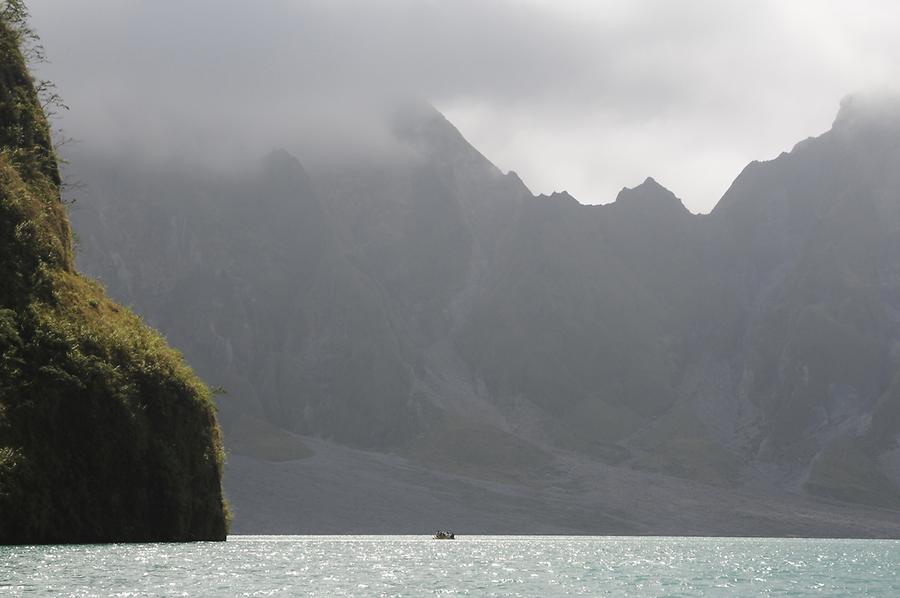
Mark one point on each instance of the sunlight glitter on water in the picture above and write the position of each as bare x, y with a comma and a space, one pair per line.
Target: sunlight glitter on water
468, 566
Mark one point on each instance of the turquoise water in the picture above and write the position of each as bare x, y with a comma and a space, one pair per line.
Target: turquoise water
468, 566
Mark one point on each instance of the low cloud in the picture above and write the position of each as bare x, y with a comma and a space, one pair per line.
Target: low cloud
586, 96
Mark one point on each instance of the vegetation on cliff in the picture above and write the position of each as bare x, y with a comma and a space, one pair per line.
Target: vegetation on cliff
105, 433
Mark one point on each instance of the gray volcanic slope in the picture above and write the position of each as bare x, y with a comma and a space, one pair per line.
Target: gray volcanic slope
628, 366
344, 490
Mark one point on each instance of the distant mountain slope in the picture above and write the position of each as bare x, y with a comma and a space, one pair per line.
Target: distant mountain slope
430, 305
105, 434
811, 241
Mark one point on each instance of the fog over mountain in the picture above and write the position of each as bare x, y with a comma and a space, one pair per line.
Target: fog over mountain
517, 267
583, 96
414, 331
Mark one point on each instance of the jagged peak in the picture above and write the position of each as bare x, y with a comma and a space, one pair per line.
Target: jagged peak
649, 193
558, 196
866, 112
420, 124
516, 182
514, 176
651, 183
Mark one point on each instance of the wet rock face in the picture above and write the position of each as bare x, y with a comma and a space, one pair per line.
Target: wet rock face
373, 302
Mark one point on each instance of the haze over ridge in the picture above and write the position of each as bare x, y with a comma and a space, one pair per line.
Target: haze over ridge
428, 306
590, 96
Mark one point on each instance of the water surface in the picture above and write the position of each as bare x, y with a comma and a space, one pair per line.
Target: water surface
468, 566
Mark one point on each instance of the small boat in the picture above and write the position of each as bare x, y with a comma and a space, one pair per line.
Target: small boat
442, 535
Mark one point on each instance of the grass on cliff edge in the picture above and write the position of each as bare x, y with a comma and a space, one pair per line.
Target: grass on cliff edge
105, 433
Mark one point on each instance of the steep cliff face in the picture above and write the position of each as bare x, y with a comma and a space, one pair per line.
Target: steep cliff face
431, 305
584, 312
105, 433
809, 243
315, 302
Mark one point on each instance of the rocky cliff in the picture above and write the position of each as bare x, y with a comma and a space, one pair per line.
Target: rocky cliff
105, 434
431, 306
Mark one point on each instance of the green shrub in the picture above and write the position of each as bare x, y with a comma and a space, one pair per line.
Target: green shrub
105, 433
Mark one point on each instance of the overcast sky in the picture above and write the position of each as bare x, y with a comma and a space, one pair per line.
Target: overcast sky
586, 96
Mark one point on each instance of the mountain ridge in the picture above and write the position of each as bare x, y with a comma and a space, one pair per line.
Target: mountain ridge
746, 348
